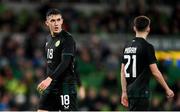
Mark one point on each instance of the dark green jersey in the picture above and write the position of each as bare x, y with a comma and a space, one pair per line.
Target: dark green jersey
60, 52
137, 56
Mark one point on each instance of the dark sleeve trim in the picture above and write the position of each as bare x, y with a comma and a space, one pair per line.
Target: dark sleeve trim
154, 62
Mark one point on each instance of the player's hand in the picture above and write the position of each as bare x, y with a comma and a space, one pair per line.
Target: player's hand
169, 93
124, 99
44, 84
82, 92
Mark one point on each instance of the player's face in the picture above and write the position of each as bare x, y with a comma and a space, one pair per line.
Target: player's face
54, 22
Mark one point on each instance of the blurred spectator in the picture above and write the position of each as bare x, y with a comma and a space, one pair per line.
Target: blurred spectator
114, 102
84, 63
110, 81
89, 101
176, 107
4, 102
111, 20
156, 104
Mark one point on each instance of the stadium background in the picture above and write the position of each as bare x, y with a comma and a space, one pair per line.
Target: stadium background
100, 28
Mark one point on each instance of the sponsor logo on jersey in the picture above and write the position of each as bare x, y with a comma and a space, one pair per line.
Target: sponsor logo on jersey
57, 43
66, 106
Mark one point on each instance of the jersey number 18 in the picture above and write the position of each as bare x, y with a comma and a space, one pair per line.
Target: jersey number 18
50, 53
129, 59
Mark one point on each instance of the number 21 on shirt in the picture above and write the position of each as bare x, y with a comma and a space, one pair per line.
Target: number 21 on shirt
129, 59
49, 53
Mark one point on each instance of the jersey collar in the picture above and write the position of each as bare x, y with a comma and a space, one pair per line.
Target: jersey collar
58, 34
138, 38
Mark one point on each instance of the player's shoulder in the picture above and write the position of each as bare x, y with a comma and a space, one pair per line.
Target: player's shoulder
149, 44
128, 43
67, 36
48, 37
145, 43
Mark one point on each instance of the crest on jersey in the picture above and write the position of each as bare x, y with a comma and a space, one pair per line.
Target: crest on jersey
57, 43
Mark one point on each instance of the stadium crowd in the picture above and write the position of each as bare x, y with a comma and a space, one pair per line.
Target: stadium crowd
165, 20
22, 58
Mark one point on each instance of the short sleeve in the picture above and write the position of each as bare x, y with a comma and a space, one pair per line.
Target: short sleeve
69, 47
122, 57
151, 58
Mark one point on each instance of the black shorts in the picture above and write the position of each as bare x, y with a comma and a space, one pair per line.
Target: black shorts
65, 100
138, 104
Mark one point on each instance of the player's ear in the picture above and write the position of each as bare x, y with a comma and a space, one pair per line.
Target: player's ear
46, 22
134, 28
148, 29
62, 21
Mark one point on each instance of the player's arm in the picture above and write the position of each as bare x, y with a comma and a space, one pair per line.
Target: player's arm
78, 78
155, 71
82, 92
123, 79
65, 61
158, 76
124, 98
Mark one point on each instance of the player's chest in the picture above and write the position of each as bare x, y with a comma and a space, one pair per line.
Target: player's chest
53, 48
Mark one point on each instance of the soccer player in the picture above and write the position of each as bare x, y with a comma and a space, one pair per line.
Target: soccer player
59, 88
138, 62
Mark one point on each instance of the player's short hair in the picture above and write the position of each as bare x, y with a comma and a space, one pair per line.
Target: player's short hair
141, 23
53, 12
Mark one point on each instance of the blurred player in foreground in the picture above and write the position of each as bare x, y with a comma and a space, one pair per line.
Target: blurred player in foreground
138, 62
59, 88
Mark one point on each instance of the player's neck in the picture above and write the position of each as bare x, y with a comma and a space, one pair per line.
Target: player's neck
141, 35
54, 34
